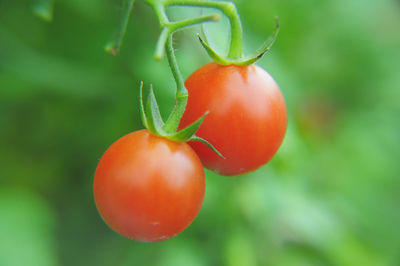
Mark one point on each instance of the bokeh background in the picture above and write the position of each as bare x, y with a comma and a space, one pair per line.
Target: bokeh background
331, 196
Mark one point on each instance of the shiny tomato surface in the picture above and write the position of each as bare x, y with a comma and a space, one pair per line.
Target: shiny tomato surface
247, 119
149, 188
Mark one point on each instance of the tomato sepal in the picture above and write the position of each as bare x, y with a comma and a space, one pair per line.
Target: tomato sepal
188, 132
208, 144
214, 55
262, 50
142, 112
153, 121
243, 61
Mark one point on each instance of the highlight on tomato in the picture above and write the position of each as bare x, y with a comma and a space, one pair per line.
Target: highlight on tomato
149, 188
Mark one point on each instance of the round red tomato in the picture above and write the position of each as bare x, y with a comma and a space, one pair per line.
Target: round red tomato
149, 188
246, 120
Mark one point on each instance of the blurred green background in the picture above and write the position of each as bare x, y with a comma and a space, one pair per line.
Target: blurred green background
331, 196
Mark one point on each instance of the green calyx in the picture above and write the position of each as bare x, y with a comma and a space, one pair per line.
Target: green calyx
241, 61
153, 121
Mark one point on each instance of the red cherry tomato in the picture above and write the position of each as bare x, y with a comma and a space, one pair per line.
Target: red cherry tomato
247, 119
149, 188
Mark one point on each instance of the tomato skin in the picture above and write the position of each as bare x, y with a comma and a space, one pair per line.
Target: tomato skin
247, 119
149, 188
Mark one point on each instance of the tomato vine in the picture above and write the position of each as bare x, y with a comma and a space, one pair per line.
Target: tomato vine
150, 114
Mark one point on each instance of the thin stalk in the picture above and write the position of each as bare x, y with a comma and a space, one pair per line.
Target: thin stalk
181, 93
162, 40
113, 47
229, 9
159, 9
170, 27
174, 26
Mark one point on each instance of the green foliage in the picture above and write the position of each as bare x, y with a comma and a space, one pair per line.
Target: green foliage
329, 197
27, 238
44, 9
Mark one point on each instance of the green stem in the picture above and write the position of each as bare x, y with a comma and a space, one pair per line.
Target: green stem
159, 9
181, 93
170, 27
162, 40
174, 26
113, 47
229, 9
165, 40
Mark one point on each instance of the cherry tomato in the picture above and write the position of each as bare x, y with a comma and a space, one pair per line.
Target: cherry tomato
149, 188
246, 120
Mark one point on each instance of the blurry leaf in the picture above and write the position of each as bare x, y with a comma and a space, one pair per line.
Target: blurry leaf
44, 9
50, 71
182, 253
351, 251
240, 250
26, 230
114, 46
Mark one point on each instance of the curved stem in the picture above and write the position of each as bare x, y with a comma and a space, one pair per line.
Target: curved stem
181, 93
229, 9
166, 40
170, 27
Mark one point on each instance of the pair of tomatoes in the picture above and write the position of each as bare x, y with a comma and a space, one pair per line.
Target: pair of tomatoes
150, 188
